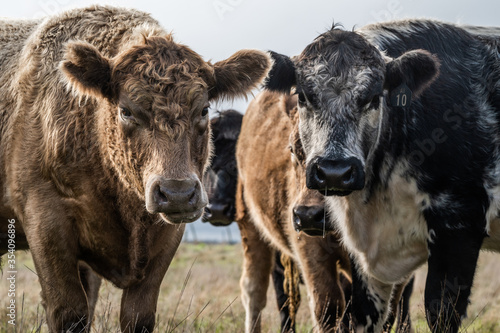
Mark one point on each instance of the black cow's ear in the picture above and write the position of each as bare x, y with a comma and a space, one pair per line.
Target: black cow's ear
417, 69
281, 77
87, 71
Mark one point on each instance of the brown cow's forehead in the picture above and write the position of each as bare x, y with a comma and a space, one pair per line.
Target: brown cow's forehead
166, 80
161, 67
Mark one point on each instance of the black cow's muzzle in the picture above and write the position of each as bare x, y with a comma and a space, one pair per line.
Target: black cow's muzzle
219, 214
335, 177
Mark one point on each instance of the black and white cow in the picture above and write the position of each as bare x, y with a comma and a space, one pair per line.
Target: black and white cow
400, 125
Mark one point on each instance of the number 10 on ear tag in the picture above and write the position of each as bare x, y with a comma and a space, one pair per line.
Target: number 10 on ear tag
401, 96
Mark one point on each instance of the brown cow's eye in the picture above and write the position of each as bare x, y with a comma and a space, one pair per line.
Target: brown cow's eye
204, 112
126, 115
203, 121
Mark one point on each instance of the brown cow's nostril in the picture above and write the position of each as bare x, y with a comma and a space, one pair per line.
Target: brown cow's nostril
193, 197
160, 196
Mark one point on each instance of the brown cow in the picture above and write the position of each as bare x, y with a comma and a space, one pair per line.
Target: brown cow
104, 140
271, 191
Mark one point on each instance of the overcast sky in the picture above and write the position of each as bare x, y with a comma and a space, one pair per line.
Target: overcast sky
217, 28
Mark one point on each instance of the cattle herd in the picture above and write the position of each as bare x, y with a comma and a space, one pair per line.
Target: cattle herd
372, 152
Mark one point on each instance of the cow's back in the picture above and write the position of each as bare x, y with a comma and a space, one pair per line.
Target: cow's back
263, 159
13, 37
456, 105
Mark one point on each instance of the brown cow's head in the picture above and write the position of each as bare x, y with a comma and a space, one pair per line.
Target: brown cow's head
153, 99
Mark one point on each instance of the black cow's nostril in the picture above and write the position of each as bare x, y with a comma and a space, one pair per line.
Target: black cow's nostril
226, 210
220, 213
348, 175
321, 176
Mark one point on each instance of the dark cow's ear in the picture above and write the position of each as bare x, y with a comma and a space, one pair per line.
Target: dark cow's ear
240, 73
87, 71
281, 77
417, 69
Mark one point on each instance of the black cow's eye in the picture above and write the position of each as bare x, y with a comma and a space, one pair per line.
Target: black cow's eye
375, 102
302, 98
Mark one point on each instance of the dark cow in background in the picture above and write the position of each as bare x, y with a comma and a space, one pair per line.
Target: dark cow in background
222, 174
400, 126
105, 137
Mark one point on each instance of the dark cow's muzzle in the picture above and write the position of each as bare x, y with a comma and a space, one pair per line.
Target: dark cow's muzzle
335, 177
310, 220
177, 201
219, 214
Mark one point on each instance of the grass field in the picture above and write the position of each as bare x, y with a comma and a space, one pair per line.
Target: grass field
200, 293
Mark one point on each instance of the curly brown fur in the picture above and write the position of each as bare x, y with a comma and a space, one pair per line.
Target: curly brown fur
103, 117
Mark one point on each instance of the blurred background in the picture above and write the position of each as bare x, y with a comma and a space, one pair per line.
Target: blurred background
218, 28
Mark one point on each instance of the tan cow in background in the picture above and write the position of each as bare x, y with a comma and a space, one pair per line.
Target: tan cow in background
271, 193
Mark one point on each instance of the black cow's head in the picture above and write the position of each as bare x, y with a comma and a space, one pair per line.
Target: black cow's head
221, 177
343, 83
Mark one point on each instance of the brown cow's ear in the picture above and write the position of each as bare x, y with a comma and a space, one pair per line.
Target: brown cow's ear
87, 71
240, 73
417, 69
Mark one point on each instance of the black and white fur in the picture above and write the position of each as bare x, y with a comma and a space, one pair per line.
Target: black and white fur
406, 185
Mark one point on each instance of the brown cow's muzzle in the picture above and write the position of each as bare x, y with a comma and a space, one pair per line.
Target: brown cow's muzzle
177, 201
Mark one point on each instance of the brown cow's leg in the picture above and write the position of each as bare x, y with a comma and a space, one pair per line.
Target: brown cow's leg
138, 307
91, 283
54, 249
318, 258
257, 263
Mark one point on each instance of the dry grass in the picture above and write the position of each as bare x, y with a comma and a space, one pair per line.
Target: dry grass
200, 293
